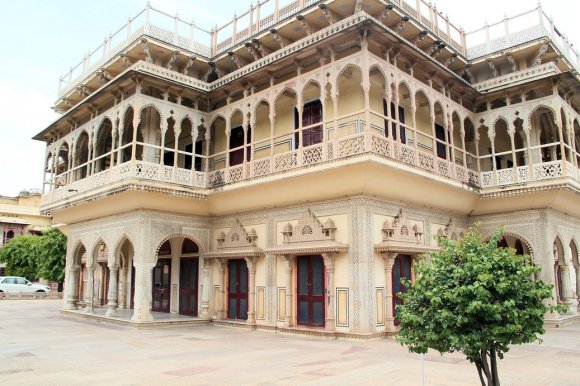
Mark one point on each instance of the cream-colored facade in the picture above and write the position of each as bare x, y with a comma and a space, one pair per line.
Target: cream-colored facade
20, 215
286, 175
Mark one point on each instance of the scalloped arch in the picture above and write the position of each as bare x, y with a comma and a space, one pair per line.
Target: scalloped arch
285, 89
538, 107
184, 235
308, 83
154, 107
346, 67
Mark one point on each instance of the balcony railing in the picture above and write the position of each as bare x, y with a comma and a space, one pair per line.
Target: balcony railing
129, 170
366, 142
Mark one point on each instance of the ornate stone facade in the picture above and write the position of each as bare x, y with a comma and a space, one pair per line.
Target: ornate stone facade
286, 177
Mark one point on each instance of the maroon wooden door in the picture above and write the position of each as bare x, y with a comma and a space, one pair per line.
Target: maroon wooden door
161, 285
188, 282
237, 289
105, 274
237, 141
401, 270
311, 114
441, 141
81, 287
310, 290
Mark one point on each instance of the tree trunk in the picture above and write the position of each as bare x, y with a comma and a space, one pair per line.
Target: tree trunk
486, 368
493, 357
480, 373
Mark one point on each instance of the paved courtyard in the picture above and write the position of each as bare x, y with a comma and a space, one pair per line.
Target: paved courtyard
39, 346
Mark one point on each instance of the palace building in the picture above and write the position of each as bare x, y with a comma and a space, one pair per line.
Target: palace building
285, 171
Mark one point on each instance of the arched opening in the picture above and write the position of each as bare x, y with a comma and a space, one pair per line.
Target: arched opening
169, 143
262, 130
124, 259
81, 156
127, 136
286, 122
520, 147
423, 121
149, 136
378, 103
183, 253
485, 155
102, 274
311, 115
218, 144
470, 144
79, 263
240, 140
442, 137
544, 137
576, 264
502, 146
49, 171
577, 141
104, 146
560, 270
350, 105
458, 150
62, 165
186, 146
400, 113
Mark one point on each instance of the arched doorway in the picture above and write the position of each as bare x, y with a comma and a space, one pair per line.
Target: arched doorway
126, 285
176, 277
188, 278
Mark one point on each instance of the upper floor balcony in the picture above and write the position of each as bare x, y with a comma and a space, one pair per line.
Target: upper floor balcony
348, 110
256, 30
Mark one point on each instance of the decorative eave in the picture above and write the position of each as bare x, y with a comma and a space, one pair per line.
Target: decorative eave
233, 253
523, 189
68, 202
308, 248
403, 248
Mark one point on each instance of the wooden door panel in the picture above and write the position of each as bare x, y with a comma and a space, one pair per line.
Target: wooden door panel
237, 289
188, 286
311, 291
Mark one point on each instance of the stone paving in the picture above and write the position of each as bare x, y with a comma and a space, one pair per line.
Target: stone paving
39, 346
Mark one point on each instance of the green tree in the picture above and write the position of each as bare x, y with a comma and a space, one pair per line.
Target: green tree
476, 298
51, 255
20, 255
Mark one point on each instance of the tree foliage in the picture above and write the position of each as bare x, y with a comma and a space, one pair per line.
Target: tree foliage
36, 256
20, 255
476, 298
52, 255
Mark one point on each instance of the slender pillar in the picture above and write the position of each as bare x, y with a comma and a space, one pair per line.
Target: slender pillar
72, 288
122, 303
330, 320
222, 288
288, 319
89, 299
113, 291
389, 262
251, 263
205, 280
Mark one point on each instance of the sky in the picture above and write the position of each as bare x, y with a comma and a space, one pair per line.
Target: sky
43, 39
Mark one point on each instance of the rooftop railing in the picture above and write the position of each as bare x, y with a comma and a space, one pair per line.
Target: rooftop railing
150, 21
515, 30
258, 18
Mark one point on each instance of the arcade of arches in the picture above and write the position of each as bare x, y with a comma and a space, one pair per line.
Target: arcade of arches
299, 267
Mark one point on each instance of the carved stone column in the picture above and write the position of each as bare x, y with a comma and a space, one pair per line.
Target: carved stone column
89, 299
330, 320
251, 263
222, 283
143, 283
113, 291
206, 265
72, 288
567, 292
288, 320
122, 303
389, 262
